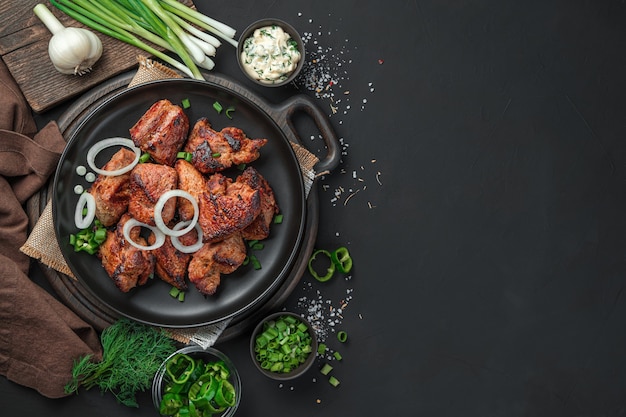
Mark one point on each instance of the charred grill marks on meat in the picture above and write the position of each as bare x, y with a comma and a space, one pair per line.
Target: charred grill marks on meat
161, 131
230, 211
215, 151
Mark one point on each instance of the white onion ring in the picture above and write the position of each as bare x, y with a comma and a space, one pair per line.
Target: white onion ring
83, 222
158, 209
106, 143
191, 248
130, 223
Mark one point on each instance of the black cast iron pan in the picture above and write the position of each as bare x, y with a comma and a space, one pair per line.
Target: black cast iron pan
243, 292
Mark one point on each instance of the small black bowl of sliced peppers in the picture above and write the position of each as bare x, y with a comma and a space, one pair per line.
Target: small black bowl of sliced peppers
196, 382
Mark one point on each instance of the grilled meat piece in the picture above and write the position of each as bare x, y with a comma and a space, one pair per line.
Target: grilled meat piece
191, 181
161, 131
216, 151
226, 207
126, 265
148, 182
214, 259
112, 192
259, 229
171, 264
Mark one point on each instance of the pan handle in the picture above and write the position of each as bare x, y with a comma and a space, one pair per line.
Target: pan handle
284, 113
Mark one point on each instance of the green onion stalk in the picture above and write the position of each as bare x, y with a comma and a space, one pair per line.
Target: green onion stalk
147, 24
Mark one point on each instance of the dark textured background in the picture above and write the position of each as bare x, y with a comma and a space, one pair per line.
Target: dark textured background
489, 268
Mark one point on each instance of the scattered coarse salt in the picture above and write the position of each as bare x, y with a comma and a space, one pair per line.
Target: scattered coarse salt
323, 314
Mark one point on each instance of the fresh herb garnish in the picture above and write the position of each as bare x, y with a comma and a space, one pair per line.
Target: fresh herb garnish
132, 354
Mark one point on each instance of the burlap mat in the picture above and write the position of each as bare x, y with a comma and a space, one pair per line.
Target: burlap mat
43, 246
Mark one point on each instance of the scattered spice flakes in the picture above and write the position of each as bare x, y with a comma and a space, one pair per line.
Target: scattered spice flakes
324, 314
343, 195
326, 73
326, 70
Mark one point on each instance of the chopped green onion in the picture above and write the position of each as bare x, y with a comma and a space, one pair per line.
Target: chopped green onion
174, 292
333, 381
255, 262
216, 155
278, 219
187, 156
326, 368
145, 157
185, 103
342, 336
89, 239
229, 111
337, 355
321, 348
181, 296
282, 346
241, 167
217, 106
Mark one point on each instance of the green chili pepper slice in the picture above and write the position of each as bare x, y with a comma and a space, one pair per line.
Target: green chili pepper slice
183, 412
329, 272
203, 391
196, 388
341, 258
180, 368
170, 404
225, 395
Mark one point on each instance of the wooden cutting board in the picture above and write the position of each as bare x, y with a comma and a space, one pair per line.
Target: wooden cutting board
24, 49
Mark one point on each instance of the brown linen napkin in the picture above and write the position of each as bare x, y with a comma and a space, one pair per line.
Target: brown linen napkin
39, 336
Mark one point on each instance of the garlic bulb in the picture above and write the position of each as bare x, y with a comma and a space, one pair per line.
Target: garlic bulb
72, 50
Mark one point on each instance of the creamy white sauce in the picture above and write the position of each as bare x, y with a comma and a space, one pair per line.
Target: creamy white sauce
270, 55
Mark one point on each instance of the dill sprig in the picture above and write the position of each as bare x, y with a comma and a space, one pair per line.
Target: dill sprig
131, 354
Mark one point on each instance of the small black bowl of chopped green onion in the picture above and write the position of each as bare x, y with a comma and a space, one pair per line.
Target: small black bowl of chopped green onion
283, 346
197, 381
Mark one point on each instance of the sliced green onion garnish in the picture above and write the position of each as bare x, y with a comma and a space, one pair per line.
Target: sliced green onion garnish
174, 292
278, 218
282, 345
217, 106
216, 155
321, 348
187, 156
185, 103
229, 111
89, 239
326, 368
145, 157
255, 262
333, 381
342, 336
